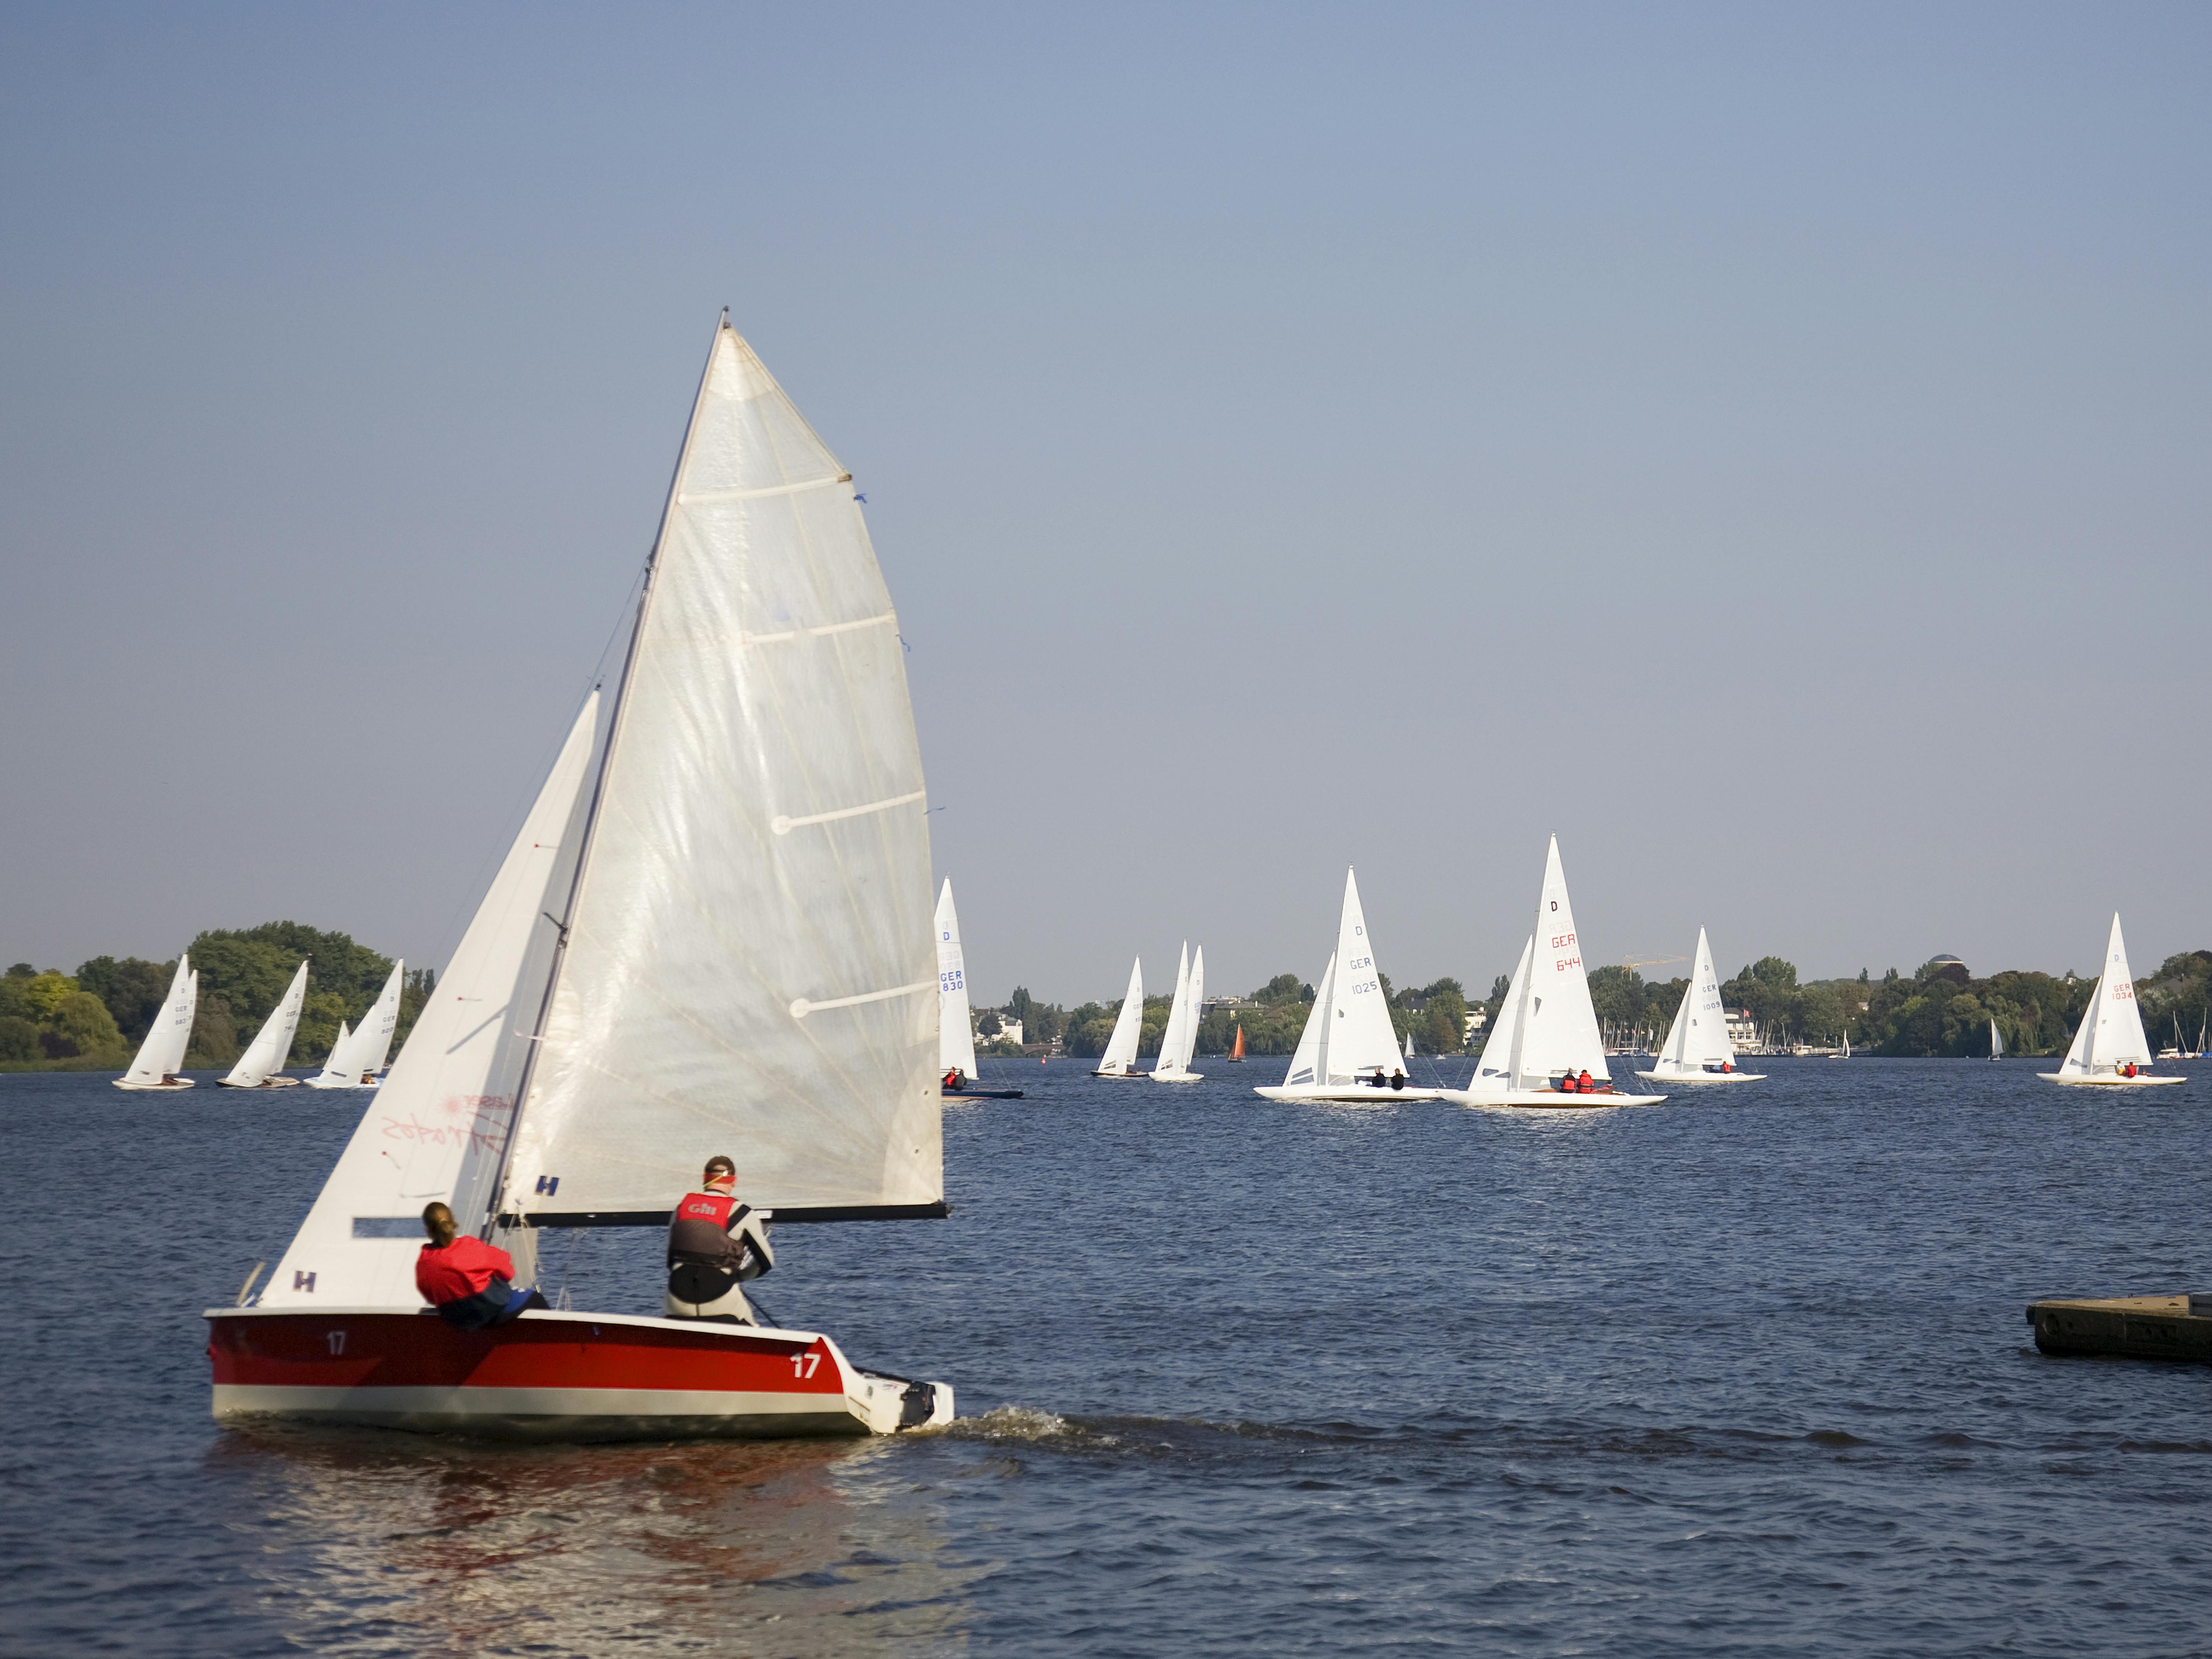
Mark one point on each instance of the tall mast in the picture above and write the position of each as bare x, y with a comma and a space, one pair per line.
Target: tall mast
615, 722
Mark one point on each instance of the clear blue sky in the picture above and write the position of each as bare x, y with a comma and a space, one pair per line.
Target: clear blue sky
1767, 444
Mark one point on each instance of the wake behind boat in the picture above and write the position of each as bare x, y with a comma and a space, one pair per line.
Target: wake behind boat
733, 865
1547, 1039
1348, 1053
1697, 1049
2110, 1049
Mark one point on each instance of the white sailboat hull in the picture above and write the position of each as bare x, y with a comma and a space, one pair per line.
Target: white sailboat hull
1703, 1076
265, 1082
1548, 1100
1122, 1077
181, 1083
1349, 1094
1177, 1075
554, 1376
2136, 1082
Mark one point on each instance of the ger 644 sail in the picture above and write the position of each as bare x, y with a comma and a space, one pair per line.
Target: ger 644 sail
712, 935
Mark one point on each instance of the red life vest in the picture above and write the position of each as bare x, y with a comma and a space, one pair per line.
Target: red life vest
1567, 1083
713, 1208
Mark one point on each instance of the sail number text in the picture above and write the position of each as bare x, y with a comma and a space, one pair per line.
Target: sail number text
803, 1365
952, 981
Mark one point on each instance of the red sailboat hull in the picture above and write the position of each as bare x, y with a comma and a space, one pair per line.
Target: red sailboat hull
553, 1376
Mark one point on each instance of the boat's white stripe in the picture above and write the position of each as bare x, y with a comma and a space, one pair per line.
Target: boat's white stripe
790, 634
801, 1007
719, 497
240, 1397
784, 826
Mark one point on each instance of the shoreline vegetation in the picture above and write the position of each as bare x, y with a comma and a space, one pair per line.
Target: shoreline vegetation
94, 1019
1938, 1011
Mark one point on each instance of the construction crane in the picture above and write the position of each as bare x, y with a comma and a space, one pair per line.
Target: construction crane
1649, 961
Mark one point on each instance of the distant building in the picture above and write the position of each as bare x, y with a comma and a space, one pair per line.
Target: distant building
1009, 1031
1742, 1030
1945, 961
1475, 1021
1221, 1005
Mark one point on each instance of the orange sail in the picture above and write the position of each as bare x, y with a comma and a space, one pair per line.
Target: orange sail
1237, 1052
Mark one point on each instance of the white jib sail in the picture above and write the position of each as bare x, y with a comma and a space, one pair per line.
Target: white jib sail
2111, 1034
272, 1046
437, 1129
1361, 1038
1197, 998
1558, 1025
1700, 1036
1170, 1061
956, 1033
1307, 1065
333, 1074
1128, 1025
748, 967
1493, 1072
163, 1051
372, 1038
1996, 1043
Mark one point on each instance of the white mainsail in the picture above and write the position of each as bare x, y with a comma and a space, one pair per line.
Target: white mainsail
1309, 1064
1996, 1043
439, 1124
1557, 1031
1361, 1039
272, 1045
956, 1033
333, 1074
372, 1038
1180, 1039
1121, 1056
1493, 1072
746, 966
163, 1051
1700, 1036
2110, 1034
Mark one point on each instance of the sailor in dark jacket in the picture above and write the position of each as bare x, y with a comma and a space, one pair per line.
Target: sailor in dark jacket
715, 1245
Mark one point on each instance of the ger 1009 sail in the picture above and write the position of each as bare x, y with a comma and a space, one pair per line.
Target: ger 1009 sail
1697, 1049
712, 935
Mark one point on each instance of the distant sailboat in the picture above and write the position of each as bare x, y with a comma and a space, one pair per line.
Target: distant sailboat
1846, 1053
262, 1065
1996, 1043
358, 1055
163, 1051
1236, 1051
1349, 1051
1697, 1049
2109, 1046
2174, 1050
1180, 1041
956, 1031
1119, 1059
1546, 1032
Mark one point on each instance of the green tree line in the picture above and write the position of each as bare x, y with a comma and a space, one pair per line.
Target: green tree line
1939, 1010
95, 1018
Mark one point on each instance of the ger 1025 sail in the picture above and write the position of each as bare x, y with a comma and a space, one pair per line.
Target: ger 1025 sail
1348, 1053
711, 936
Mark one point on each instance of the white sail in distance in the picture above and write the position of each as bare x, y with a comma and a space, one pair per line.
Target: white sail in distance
748, 967
372, 1038
1493, 1072
1700, 1036
956, 1031
1558, 1025
1121, 1056
1179, 1040
162, 1053
1361, 1038
333, 1074
272, 1045
2110, 1034
1309, 1064
436, 1129
1996, 1043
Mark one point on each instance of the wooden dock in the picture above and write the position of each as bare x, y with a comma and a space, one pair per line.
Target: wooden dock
2140, 1326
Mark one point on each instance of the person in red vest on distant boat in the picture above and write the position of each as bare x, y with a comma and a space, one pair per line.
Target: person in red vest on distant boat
469, 1282
715, 1245
1567, 1083
953, 1082
1587, 1086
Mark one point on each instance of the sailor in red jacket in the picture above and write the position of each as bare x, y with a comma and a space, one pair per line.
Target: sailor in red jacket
715, 1245
469, 1282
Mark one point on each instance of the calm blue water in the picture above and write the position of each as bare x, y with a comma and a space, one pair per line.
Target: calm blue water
1744, 1373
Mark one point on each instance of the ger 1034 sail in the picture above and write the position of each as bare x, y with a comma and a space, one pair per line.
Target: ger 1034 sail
2110, 1049
711, 936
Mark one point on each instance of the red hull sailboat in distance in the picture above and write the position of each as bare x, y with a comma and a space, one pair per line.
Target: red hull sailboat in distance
712, 935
